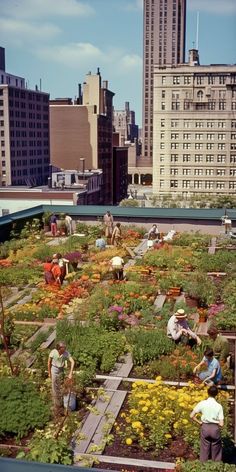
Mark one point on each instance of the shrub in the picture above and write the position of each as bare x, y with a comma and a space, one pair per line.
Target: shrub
49, 450
21, 406
209, 466
149, 345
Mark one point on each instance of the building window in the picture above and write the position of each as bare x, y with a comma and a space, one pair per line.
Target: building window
174, 135
232, 172
209, 158
209, 184
220, 172
173, 183
200, 80
162, 123
233, 159
187, 79
197, 184
162, 170
186, 145
163, 105
198, 145
163, 79
209, 172
198, 136
220, 185
175, 106
210, 146
233, 136
186, 171
221, 137
162, 145
221, 158
176, 80
221, 124
174, 171
174, 158
161, 183
162, 157
198, 171
198, 158
210, 124
186, 136
232, 185
174, 124
174, 146
186, 184
222, 146
186, 158
187, 124
233, 124
199, 124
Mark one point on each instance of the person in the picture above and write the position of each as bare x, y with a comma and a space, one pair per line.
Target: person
212, 419
220, 345
178, 329
47, 267
100, 243
56, 366
227, 222
213, 374
117, 264
116, 235
56, 271
108, 222
68, 221
154, 232
53, 224
63, 264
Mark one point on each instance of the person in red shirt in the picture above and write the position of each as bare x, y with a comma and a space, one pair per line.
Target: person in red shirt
47, 267
56, 271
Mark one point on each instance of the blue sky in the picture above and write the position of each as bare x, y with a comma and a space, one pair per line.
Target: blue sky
61, 40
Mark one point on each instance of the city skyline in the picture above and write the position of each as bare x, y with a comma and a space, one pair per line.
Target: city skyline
67, 38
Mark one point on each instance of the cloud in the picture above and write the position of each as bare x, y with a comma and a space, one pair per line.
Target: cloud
77, 55
71, 55
45, 8
131, 61
134, 5
217, 7
23, 31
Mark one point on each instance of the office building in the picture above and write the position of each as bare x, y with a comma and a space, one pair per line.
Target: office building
164, 30
124, 124
81, 132
194, 145
24, 131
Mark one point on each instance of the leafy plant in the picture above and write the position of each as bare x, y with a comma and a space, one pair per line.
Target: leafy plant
148, 345
22, 408
209, 466
48, 449
201, 287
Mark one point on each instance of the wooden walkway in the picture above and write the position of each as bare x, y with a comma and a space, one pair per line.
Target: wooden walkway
212, 248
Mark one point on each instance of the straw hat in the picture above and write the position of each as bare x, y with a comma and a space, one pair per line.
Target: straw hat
180, 314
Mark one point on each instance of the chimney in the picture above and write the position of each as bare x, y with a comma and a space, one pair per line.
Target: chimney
79, 101
194, 57
105, 84
2, 59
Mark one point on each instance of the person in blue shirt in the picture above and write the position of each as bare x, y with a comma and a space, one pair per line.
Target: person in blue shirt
213, 374
100, 243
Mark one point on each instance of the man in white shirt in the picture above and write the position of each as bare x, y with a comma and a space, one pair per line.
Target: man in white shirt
56, 366
117, 264
212, 418
178, 329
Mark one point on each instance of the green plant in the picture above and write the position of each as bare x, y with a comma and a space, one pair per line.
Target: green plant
46, 218
127, 202
148, 345
209, 466
48, 449
21, 406
201, 287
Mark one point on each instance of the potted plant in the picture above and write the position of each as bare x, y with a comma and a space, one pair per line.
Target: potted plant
46, 221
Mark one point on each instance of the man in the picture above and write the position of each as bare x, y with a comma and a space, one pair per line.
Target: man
53, 224
56, 365
178, 329
68, 221
211, 420
220, 344
108, 222
117, 264
213, 374
154, 232
116, 235
100, 243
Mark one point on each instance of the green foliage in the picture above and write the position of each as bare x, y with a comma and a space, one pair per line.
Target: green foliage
91, 346
222, 261
31, 228
46, 218
19, 276
209, 466
201, 287
174, 279
229, 294
127, 202
48, 450
21, 406
148, 345
12, 245
168, 258
91, 231
193, 240
226, 320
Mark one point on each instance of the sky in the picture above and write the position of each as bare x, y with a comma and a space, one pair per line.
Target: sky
60, 41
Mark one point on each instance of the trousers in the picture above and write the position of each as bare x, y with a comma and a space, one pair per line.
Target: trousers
210, 446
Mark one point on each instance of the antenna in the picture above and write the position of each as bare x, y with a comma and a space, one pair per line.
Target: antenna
197, 32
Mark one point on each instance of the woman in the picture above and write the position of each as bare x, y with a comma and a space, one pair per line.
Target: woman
108, 222
116, 235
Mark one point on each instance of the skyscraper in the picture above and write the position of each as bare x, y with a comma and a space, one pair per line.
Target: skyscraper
164, 30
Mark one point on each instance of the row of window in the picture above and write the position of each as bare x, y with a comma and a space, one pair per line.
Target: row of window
220, 158
198, 124
200, 136
203, 79
199, 184
208, 146
189, 171
211, 105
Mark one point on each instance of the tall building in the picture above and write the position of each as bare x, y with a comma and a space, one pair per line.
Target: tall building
124, 124
24, 131
81, 132
194, 148
164, 30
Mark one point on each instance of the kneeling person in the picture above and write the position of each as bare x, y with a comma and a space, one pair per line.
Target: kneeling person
179, 330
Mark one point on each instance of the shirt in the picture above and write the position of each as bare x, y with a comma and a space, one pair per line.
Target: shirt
174, 327
58, 360
221, 348
212, 365
100, 243
117, 261
211, 410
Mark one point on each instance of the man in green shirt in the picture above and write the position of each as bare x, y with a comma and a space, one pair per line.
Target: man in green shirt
220, 344
56, 365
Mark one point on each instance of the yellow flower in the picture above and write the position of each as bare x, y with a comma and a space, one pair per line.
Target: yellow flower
136, 424
145, 408
129, 441
168, 436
